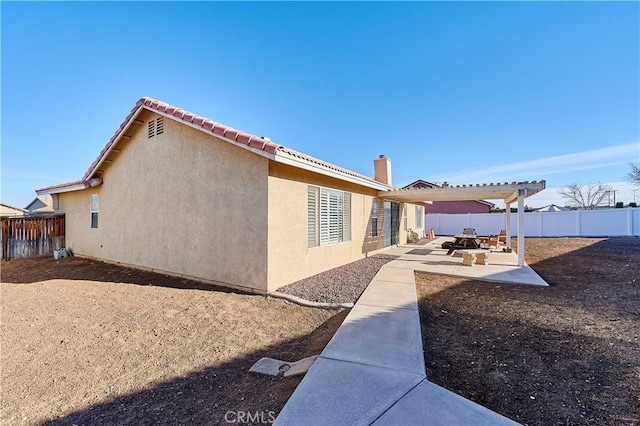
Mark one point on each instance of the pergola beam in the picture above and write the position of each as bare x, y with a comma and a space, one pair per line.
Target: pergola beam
506, 191
509, 192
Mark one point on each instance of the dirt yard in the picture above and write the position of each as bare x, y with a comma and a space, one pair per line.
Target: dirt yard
565, 354
85, 342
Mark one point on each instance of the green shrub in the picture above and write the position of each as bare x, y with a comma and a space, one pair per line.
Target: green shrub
633, 204
619, 205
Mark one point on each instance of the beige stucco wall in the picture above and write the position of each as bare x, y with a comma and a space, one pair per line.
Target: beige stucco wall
411, 222
290, 259
182, 202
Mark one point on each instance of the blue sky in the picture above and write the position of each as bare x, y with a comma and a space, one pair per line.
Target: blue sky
450, 91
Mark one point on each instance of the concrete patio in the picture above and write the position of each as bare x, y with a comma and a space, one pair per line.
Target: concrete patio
373, 369
502, 267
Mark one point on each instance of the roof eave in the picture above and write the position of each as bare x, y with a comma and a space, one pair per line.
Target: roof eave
285, 158
70, 187
121, 131
142, 106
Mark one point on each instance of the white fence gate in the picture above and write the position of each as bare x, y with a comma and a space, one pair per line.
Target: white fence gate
575, 223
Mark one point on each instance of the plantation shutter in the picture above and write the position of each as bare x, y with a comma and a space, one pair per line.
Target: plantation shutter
335, 216
346, 217
328, 216
324, 217
313, 216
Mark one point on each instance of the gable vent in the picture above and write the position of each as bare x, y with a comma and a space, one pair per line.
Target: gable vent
159, 125
155, 127
151, 129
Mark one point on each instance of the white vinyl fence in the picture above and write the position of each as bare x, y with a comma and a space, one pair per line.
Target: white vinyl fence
576, 223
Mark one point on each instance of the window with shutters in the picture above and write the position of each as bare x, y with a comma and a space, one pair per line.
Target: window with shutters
419, 215
328, 216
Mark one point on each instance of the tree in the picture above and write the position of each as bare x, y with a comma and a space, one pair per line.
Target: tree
634, 174
585, 196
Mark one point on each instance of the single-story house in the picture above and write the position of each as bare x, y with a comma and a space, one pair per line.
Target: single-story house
450, 206
41, 205
180, 194
10, 211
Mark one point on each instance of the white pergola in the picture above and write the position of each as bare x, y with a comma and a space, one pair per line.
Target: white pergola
509, 192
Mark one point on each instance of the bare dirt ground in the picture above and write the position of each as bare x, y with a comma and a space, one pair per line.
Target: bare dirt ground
85, 342
565, 354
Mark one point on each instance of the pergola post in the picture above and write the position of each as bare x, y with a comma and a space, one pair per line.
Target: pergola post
521, 195
508, 225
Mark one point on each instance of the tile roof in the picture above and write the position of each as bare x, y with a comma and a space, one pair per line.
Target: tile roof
245, 140
324, 164
207, 125
219, 130
62, 185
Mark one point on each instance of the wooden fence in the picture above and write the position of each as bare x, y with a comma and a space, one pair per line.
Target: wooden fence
31, 236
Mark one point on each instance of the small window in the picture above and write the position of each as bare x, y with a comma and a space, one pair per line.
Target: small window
374, 217
155, 127
419, 215
404, 217
94, 210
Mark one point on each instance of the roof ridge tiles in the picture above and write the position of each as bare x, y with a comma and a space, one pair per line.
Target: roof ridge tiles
204, 123
217, 129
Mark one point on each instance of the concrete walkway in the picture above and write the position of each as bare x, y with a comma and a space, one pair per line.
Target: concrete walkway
373, 370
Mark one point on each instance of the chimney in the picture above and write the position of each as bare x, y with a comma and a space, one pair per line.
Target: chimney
382, 169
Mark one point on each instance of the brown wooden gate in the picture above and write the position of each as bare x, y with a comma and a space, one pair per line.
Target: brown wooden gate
31, 236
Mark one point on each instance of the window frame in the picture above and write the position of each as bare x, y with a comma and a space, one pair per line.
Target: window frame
94, 212
419, 216
374, 217
405, 219
331, 220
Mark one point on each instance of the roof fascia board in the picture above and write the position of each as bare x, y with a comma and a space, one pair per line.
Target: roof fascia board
61, 189
70, 187
115, 142
284, 158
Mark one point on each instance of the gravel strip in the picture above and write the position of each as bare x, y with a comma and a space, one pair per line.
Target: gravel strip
339, 285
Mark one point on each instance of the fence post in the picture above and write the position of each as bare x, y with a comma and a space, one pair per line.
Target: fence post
5, 238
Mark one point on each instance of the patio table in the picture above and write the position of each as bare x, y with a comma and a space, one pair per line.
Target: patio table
464, 241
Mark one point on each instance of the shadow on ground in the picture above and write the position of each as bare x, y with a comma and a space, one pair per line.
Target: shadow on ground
215, 395
43, 268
